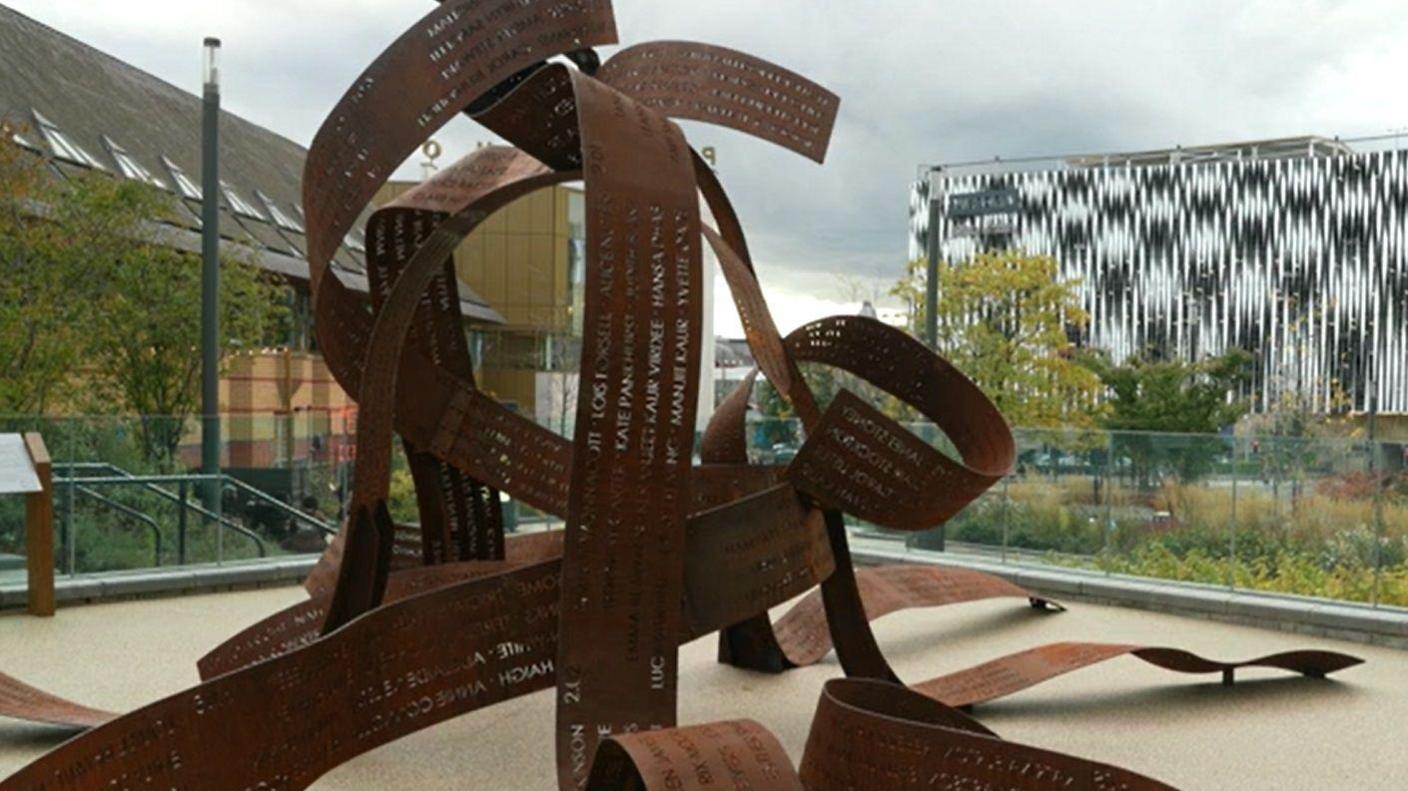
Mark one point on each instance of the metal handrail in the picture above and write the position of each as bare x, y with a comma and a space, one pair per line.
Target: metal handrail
150, 483
128, 510
327, 528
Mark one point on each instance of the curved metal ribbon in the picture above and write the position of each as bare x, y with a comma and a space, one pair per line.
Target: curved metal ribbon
412, 625
866, 734
19, 700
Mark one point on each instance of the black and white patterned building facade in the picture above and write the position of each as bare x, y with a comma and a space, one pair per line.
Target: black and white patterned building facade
1296, 251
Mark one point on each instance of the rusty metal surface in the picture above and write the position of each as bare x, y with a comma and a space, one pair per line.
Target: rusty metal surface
622, 575
410, 625
804, 639
284, 722
772, 530
738, 754
1016, 672
868, 735
20, 701
865, 463
728, 88
865, 735
460, 518
302, 624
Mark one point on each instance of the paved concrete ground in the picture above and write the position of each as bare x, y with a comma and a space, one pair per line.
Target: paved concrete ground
1269, 731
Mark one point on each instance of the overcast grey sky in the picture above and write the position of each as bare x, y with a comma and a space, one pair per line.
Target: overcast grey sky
920, 81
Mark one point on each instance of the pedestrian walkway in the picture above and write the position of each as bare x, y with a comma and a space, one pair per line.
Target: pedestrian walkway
1269, 731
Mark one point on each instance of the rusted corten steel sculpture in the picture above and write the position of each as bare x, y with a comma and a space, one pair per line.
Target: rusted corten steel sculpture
410, 625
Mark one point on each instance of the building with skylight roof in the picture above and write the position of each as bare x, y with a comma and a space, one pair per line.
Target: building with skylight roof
85, 111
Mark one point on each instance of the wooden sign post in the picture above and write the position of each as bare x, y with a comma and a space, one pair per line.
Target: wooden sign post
25, 468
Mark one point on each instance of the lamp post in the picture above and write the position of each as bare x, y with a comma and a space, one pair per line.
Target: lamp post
931, 279
210, 274
931, 302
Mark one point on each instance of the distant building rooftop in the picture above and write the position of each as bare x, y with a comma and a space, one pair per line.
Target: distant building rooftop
732, 353
1273, 148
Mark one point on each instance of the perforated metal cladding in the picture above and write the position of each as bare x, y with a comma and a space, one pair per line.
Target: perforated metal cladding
1302, 261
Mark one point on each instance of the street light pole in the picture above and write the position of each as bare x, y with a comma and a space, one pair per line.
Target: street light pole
931, 279
210, 275
931, 306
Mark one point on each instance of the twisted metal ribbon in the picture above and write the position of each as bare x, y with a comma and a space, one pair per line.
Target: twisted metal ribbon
411, 625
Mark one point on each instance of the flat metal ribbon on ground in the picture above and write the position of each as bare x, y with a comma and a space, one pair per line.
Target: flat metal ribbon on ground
739, 754
302, 624
20, 701
802, 635
1006, 675
784, 560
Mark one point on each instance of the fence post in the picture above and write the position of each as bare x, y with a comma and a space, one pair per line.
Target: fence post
1006, 518
1380, 483
181, 525
70, 526
39, 530
1232, 528
217, 484
1108, 491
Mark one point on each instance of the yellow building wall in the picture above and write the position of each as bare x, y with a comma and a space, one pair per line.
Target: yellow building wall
275, 403
518, 261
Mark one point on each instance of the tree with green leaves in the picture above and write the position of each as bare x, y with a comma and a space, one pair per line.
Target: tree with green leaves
1005, 319
99, 312
1171, 397
44, 288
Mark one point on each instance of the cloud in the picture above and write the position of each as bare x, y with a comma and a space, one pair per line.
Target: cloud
921, 82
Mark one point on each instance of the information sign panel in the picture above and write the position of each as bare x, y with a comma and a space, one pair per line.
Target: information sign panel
17, 475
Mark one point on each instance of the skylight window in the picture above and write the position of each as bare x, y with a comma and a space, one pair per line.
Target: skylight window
63, 147
241, 207
183, 182
282, 220
129, 166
